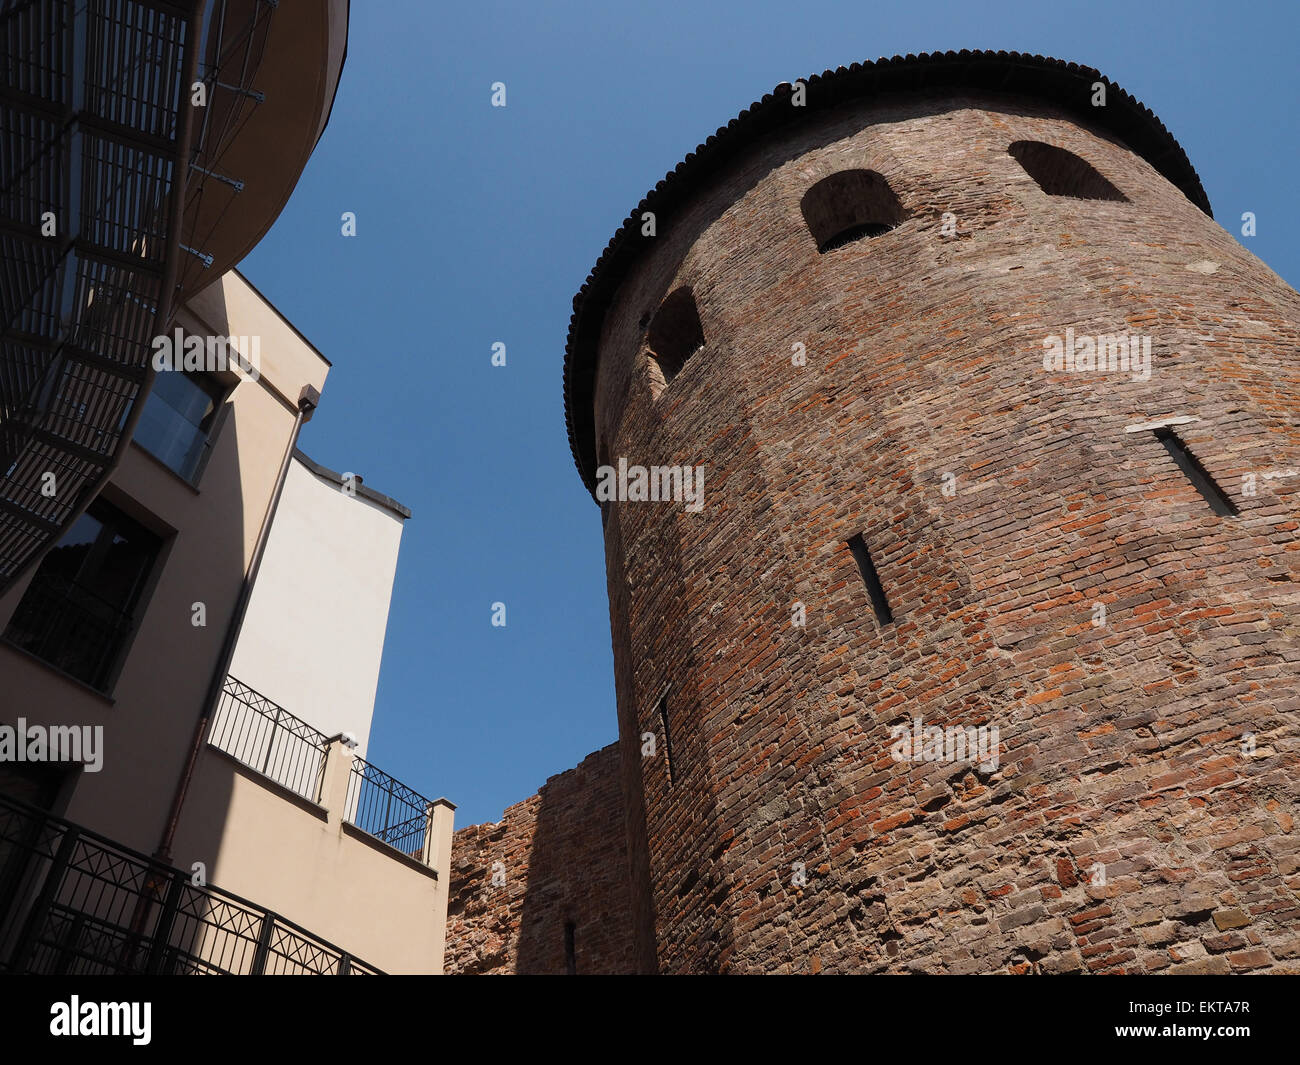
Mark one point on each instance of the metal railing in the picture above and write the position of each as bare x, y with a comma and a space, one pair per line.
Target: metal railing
387, 809
74, 902
266, 737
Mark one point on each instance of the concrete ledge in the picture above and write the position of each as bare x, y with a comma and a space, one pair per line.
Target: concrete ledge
247, 771
350, 829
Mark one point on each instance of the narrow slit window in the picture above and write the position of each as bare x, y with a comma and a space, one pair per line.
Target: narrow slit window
1196, 473
570, 949
668, 741
1062, 173
872, 580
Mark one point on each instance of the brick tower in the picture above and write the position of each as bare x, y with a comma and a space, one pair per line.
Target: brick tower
998, 429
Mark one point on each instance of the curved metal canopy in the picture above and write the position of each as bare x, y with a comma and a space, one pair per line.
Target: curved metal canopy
101, 147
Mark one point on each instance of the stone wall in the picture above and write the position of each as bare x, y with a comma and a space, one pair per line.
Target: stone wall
558, 858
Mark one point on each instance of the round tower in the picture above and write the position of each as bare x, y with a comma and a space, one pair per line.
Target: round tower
952, 559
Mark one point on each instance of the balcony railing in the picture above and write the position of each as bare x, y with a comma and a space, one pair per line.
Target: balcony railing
266, 737
387, 809
73, 902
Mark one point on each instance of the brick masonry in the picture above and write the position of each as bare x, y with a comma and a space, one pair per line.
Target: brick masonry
1141, 817
563, 857
1125, 829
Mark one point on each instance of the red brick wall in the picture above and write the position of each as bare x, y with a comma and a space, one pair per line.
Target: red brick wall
563, 855
1122, 745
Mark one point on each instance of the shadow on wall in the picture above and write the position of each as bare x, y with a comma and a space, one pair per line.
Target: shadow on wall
546, 889
576, 914
119, 629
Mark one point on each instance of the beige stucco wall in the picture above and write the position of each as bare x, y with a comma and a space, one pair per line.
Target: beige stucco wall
299, 860
208, 535
314, 634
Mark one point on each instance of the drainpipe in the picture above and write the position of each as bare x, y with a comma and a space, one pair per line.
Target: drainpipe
307, 402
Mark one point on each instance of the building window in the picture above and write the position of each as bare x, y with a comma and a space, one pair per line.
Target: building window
37, 783
675, 334
1062, 173
178, 418
858, 547
82, 604
848, 206
1196, 473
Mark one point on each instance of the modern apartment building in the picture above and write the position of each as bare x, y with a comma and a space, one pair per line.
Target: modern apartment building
192, 611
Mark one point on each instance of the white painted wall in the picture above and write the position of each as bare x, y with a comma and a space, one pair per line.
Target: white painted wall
314, 633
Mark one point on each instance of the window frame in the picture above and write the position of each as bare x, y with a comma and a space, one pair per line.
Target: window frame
219, 386
121, 520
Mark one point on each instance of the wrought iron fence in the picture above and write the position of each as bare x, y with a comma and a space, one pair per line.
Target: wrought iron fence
74, 902
388, 810
266, 737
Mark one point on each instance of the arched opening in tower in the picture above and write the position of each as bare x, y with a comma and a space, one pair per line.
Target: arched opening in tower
848, 206
1062, 173
675, 333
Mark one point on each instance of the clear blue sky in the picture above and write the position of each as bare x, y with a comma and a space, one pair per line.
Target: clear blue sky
477, 224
